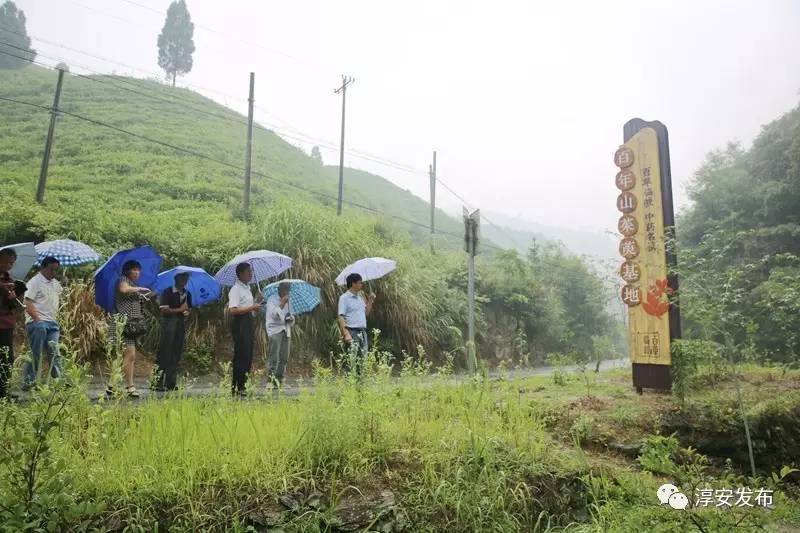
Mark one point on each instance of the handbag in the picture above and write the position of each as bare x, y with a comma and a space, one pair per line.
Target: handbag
135, 327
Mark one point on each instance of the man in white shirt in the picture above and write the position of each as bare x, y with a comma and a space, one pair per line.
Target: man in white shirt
41, 308
352, 320
279, 329
241, 307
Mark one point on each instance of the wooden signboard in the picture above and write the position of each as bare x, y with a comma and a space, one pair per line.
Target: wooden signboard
646, 225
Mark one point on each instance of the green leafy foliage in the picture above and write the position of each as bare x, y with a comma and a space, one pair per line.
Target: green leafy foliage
740, 243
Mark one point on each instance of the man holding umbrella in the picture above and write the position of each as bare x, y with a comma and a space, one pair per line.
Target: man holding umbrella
352, 319
254, 266
174, 305
241, 307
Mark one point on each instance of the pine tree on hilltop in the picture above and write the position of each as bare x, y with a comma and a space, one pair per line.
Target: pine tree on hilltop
175, 44
316, 155
13, 20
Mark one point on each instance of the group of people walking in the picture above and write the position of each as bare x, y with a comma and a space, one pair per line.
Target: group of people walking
39, 298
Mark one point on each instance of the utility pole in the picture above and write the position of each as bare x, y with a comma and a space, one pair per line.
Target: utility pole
249, 149
49, 142
432, 171
346, 81
471, 236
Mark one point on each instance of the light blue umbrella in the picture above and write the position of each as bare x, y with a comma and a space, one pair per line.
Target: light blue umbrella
68, 252
303, 297
203, 288
265, 265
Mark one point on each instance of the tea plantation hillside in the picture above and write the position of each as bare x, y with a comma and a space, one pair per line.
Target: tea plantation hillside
96, 163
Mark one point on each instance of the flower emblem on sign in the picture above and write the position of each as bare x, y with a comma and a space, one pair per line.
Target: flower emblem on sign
629, 248
623, 157
628, 225
625, 180
657, 298
626, 202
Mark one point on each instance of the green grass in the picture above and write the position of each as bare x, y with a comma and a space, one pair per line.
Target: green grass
474, 455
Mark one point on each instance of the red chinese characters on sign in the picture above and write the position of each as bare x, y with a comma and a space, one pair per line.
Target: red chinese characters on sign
623, 157
626, 202
625, 180
627, 225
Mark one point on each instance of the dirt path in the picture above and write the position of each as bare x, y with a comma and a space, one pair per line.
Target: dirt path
210, 385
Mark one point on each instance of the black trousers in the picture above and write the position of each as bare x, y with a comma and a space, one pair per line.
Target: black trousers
6, 358
170, 350
242, 333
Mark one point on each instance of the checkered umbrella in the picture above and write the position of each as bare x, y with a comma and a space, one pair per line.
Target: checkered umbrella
265, 265
68, 252
303, 297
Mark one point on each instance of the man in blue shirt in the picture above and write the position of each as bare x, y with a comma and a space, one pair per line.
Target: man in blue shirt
352, 319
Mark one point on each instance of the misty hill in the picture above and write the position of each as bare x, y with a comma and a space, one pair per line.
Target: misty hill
182, 118
98, 159
596, 244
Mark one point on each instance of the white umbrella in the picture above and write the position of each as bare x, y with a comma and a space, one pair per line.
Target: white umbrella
265, 265
368, 268
26, 257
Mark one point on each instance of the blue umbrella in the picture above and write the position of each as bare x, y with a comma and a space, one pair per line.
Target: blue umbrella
68, 252
203, 288
265, 265
107, 276
303, 297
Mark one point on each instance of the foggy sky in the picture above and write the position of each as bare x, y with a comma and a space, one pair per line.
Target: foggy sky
523, 100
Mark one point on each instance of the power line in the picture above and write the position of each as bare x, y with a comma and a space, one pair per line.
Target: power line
303, 62
218, 161
179, 102
118, 63
290, 132
498, 228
